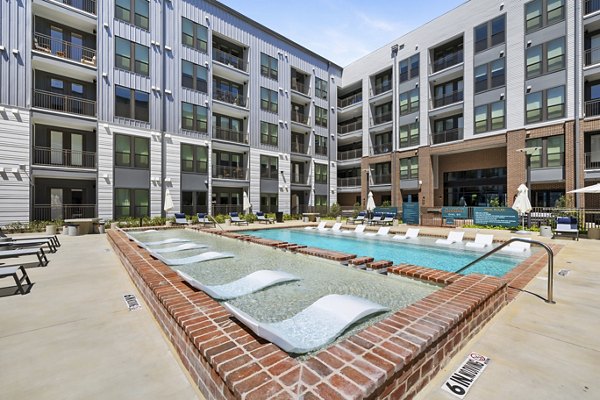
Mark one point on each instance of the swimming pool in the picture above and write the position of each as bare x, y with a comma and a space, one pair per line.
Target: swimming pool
421, 252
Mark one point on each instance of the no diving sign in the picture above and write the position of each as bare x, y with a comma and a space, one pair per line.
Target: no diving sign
463, 378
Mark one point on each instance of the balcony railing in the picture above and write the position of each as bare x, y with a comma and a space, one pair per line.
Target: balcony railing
592, 108
382, 148
382, 88
225, 209
409, 141
298, 147
299, 179
229, 97
591, 6
448, 61
300, 117
228, 59
591, 56
64, 157
349, 182
349, 154
382, 118
450, 98
348, 101
230, 135
227, 172
299, 87
64, 49
351, 127
321, 150
49, 212
382, 179
449, 135
60, 102
592, 161
88, 6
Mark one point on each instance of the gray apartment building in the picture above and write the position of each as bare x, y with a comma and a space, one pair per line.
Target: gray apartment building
107, 105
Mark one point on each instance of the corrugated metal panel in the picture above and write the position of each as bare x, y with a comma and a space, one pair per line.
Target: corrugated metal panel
15, 70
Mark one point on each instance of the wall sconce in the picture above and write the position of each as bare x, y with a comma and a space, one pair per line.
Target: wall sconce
105, 74
529, 43
168, 48
501, 96
15, 52
106, 25
167, 91
168, 180
2, 109
167, 136
420, 182
528, 89
15, 111
2, 48
501, 6
501, 53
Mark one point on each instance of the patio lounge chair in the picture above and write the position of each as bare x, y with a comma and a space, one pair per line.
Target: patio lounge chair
360, 218
453, 237
9, 271
181, 247
320, 227
19, 243
39, 252
388, 219
203, 219
53, 238
180, 219
481, 241
248, 284
566, 226
517, 247
260, 217
383, 231
333, 314
235, 219
376, 219
411, 233
208, 256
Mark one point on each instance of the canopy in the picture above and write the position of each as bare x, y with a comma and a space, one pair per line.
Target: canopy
246, 203
588, 189
370, 202
168, 201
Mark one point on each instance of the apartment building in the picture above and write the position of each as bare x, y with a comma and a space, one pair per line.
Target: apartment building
449, 113
106, 106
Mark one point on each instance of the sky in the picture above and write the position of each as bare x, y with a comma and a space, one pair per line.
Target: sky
342, 30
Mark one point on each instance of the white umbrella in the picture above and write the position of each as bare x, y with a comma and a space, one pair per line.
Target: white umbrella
522, 205
370, 202
588, 189
168, 201
246, 203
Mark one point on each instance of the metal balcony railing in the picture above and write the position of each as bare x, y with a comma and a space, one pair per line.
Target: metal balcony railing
449, 135
382, 148
298, 147
409, 141
350, 100
351, 127
592, 161
300, 117
382, 118
64, 157
321, 150
49, 212
382, 179
382, 88
299, 87
592, 108
227, 172
64, 49
591, 6
60, 102
448, 60
450, 98
228, 59
88, 6
591, 56
349, 182
349, 154
230, 135
229, 97
299, 179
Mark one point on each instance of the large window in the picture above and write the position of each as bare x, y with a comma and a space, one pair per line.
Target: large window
545, 58
132, 104
409, 168
131, 203
132, 56
490, 34
194, 76
268, 202
321, 116
549, 153
268, 66
409, 135
268, 133
320, 173
382, 113
490, 75
448, 93
194, 117
490, 117
135, 12
268, 100
320, 145
409, 101
409, 68
545, 105
194, 158
382, 174
268, 167
193, 202
541, 13
321, 88
132, 151
194, 35
383, 83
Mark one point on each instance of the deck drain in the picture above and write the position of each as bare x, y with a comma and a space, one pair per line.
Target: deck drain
564, 272
132, 302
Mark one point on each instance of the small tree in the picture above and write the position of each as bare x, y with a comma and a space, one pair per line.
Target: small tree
335, 210
495, 202
386, 203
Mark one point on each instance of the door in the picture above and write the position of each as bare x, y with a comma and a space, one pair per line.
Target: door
76, 208
76, 47
56, 204
77, 150
56, 147
56, 44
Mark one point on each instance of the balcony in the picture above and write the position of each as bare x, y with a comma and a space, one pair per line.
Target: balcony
299, 148
64, 49
348, 101
351, 127
349, 155
227, 172
382, 118
48, 212
299, 87
382, 179
349, 182
446, 136
64, 158
299, 179
382, 148
450, 98
591, 56
592, 108
228, 59
592, 161
448, 60
230, 135
229, 97
591, 6
62, 103
89, 6
382, 88
300, 117
321, 150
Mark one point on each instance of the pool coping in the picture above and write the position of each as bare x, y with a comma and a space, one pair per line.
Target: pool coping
394, 358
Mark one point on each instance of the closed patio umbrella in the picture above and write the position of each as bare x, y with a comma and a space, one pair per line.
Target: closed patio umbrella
370, 202
168, 201
522, 205
246, 203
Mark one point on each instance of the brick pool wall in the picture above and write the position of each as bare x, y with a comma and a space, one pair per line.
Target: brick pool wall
393, 359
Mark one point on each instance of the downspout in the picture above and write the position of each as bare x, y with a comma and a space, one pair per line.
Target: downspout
577, 96
163, 153
329, 123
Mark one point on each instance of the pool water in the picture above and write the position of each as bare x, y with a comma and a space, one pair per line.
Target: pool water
421, 252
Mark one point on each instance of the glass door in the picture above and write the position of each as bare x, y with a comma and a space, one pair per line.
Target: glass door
56, 204
76, 150
56, 147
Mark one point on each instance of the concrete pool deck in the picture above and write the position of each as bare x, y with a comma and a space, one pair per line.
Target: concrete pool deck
75, 313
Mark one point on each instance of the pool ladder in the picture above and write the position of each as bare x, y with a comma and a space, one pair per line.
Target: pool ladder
550, 262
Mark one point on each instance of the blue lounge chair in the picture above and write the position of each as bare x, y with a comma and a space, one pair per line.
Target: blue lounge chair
180, 219
566, 226
360, 218
203, 219
235, 219
260, 217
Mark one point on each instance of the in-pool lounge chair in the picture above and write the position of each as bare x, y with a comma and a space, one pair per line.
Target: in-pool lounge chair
38, 252
481, 241
566, 226
336, 227
53, 238
11, 271
181, 247
204, 220
180, 219
208, 256
383, 231
235, 219
160, 242
411, 233
20, 243
248, 284
517, 247
360, 218
320, 227
358, 229
333, 314
453, 237
260, 217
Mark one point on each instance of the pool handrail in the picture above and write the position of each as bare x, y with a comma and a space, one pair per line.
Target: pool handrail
550, 262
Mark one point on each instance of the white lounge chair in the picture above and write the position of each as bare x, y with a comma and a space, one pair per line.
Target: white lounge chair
208, 256
332, 314
383, 231
160, 242
358, 229
181, 247
481, 241
337, 227
517, 247
248, 284
411, 233
453, 237
320, 227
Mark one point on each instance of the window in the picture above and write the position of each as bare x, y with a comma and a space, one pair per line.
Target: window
268, 167
193, 202
409, 168
135, 12
320, 173
268, 133
229, 128
268, 100
194, 117
382, 143
489, 76
383, 113
194, 35
321, 116
545, 105
409, 68
490, 34
489, 117
541, 13
131, 203
448, 93
382, 174
320, 203
132, 56
409, 135
320, 145
409, 101
268, 66
550, 151
383, 83
194, 158
137, 109
194, 76
321, 88
228, 91
132, 151
545, 58
268, 202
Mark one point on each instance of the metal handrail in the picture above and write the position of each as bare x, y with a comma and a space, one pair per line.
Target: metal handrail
550, 262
